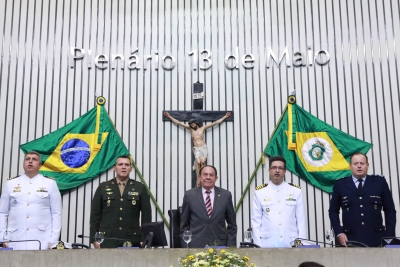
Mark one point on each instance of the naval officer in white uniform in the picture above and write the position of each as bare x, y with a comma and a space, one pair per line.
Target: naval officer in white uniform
277, 216
30, 207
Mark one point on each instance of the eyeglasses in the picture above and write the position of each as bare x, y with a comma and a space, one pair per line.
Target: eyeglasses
280, 168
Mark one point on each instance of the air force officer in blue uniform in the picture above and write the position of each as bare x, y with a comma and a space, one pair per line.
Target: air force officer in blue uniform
362, 206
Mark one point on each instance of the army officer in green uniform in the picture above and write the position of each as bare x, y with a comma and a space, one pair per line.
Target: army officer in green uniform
116, 208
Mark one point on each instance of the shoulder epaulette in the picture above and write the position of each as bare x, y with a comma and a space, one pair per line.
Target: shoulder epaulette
49, 177
261, 186
378, 175
295, 185
341, 178
13, 177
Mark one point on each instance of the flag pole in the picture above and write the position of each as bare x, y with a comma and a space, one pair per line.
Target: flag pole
246, 189
150, 194
142, 180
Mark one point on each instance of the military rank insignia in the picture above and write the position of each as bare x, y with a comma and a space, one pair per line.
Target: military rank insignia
108, 190
261, 186
42, 189
127, 244
60, 245
133, 202
17, 188
295, 185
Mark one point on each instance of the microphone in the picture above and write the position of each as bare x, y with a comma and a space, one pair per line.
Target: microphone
105, 238
351, 243
297, 242
19, 241
248, 245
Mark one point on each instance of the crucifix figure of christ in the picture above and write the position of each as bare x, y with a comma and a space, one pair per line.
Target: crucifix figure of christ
196, 118
200, 150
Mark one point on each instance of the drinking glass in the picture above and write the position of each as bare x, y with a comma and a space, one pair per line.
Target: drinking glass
329, 235
6, 238
248, 237
99, 237
187, 237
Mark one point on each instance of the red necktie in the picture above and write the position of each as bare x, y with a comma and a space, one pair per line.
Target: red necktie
208, 204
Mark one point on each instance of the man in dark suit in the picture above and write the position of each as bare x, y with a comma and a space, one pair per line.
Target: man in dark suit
205, 210
362, 198
116, 208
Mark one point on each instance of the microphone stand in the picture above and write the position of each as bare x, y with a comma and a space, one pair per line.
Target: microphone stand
360, 244
105, 238
320, 242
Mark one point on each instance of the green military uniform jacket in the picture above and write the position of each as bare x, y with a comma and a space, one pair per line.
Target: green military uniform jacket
118, 216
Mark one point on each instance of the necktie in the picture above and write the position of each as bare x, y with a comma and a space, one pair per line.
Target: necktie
359, 186
121, 187
208, 204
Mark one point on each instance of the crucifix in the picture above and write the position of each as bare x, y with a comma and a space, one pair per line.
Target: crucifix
195, 119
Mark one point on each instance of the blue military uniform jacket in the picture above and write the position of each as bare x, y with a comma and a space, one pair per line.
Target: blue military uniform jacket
361, 212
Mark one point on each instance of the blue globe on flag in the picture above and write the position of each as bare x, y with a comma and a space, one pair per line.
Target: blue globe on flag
75, 153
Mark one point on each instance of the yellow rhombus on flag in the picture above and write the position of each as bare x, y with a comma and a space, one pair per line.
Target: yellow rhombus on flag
314, 150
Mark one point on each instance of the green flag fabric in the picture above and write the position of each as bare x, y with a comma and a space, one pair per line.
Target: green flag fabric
81, 150
314, 150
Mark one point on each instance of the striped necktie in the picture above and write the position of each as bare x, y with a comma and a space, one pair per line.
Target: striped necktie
208, 204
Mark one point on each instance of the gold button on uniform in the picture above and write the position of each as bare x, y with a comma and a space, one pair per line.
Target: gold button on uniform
362, 214
361, 206
29, 193
120, 208
121, 199
362, 223
27, 229
281, 236
27, 216
120, 228
120, 218
360, 197
27, 204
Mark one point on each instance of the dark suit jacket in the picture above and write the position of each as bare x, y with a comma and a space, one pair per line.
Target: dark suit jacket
361, 213
205, 230
118, 216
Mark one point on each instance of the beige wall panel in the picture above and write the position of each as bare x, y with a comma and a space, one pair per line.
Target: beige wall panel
356, 92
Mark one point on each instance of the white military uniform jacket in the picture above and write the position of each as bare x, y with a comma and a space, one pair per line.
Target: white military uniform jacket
32, 207
277, 216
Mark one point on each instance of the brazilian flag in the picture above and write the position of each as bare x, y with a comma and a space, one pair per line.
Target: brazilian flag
314, 150
81, 150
